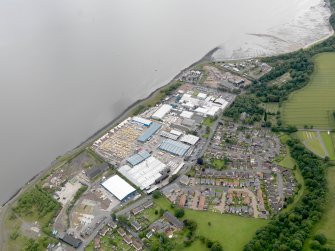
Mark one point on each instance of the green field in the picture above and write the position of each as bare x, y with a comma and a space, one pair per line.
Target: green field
233, 232
306, 135
314, 104
327, 223
328, 141
288, 162
315, 146
313, 142
270, 107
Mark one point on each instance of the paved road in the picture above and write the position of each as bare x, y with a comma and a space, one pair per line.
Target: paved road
280, 185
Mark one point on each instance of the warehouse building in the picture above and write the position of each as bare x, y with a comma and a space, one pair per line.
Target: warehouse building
161, 112
169, 135
190, 139
153, 128
186, 114
144, 174
174, 147
118, 187
138, 158
142, 121
70, 240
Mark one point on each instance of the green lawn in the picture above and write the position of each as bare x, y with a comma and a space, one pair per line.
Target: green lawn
288, 162
233, 232
315, 146
312, 142
327, 140
306, 135
314, 104
270, 107
327, 223
218, 164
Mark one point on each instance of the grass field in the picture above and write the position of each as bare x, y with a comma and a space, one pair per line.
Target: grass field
314, 104
233, 232
328, 141
327, 223
270, 107
306, 135
315, 146
288, 162
312, 141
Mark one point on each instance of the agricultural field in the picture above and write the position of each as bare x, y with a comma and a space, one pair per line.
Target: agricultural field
320, 143
329, 144
313, 141
314, 104
327, 223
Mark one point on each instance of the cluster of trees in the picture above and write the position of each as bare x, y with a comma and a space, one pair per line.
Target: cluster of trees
289, 230
247, 104
36, 201
299, 65
211, 245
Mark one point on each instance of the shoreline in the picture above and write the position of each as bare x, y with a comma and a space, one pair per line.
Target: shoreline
119, 118
128, 110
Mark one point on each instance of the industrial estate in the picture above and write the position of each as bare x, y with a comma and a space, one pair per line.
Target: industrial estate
224, 157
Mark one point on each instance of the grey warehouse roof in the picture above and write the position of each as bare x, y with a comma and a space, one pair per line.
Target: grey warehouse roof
174, 147
138, 158
154, 127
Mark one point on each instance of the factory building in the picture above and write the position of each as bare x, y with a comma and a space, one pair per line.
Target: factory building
118, 187
153, 128
161, 112
144, 174
174, 147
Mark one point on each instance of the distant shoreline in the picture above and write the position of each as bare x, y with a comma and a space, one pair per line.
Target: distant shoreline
127, 112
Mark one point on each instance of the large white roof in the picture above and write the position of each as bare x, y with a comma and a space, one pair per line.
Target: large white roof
118, 187
186, 114
144, 174
162, 111
189, 139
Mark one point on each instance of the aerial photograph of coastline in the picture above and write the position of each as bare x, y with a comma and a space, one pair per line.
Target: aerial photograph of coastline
162, 125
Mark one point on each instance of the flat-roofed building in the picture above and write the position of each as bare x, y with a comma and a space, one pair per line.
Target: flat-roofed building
174, 147
118, 187
153, 128
138, 158
144, 174
142, 121
162, 111
190, 139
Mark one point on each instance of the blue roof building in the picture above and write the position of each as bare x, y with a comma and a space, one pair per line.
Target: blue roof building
174, 147
153, 128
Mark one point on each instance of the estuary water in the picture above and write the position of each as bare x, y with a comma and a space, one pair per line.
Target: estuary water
67, 68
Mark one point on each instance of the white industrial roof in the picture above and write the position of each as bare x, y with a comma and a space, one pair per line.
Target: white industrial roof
142, 120
201, 110
118, 187
144, 174
202, 95
186, 114
189, 139
175, 132
162, 111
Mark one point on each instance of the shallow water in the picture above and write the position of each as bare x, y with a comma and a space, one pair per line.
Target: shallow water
67, 68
